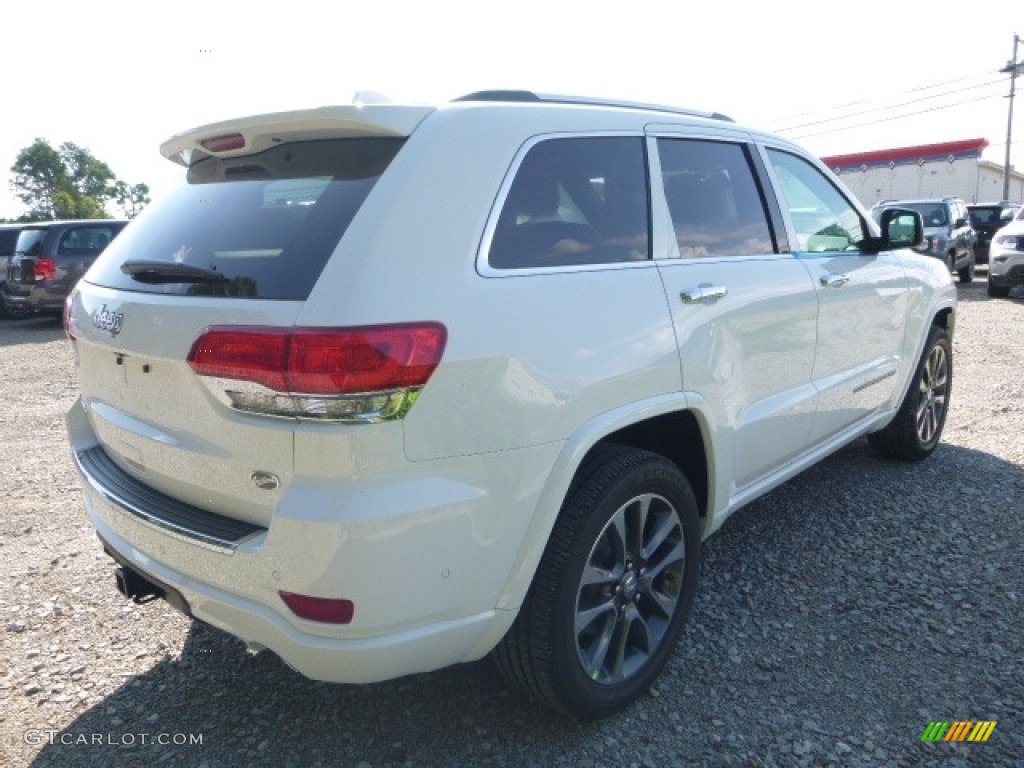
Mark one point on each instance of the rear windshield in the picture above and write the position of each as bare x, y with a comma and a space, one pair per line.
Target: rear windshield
264, 225
982, 217
30, 241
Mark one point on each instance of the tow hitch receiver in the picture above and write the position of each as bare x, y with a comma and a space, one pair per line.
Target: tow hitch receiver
135, 586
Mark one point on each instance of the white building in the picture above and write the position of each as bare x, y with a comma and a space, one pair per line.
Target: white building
952, 168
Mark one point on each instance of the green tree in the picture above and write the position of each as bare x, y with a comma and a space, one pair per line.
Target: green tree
38, 177
89, 176
131, 199
70, 183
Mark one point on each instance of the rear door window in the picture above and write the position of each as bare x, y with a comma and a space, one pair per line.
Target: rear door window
575, 201
713, 199
260, 226
85, 241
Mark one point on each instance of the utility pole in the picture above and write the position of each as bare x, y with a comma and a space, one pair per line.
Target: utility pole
1014, 68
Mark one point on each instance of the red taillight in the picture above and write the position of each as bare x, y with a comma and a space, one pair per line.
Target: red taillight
45, 269
259, 355
364, 360
322, 372
224, 143
324, 609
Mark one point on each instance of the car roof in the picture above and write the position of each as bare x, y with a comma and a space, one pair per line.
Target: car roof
921, 200
71, 222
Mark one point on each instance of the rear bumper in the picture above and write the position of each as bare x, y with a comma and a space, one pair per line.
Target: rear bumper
1008, 278
332, 659
425, 559
14, 297
38, 297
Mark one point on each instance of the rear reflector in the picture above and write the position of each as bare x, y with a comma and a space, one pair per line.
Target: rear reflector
365, 373
324, 609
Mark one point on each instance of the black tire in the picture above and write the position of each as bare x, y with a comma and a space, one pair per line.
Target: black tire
998, 291
613, 588
917, 428
966, 274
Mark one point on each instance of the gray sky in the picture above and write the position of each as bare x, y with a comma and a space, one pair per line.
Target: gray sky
119, 77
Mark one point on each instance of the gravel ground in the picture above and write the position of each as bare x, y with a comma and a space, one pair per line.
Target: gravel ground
837, 617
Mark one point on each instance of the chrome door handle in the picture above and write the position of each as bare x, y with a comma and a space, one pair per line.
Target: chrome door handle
703, 293
834, 281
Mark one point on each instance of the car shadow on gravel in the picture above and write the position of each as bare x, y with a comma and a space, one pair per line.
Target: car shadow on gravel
30, 330
837, 616
219, 704
977, 290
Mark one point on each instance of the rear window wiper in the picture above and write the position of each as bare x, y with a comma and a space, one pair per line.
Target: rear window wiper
156, 272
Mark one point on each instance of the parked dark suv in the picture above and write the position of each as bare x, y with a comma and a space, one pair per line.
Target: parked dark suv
987, 219
948, 234
8, 239
49, 258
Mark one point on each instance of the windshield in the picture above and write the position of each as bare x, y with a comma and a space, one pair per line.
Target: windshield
983, 217
263, 224
933, 214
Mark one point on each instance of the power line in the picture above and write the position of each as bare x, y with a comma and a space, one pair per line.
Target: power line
888, 107
887, 100
895, 117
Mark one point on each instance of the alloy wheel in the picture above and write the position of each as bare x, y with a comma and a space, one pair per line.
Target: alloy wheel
629, 589
934, 387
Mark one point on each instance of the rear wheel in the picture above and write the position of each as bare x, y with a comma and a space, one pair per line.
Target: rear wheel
613, 589
916, 430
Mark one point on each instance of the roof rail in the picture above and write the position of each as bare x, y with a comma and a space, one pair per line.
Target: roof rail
530, 96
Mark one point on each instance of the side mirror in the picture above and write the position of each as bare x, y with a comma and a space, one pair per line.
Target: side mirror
901, 228
960, 223
1007, 215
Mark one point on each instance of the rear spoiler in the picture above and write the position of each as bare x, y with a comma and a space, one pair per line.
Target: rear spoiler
249, 135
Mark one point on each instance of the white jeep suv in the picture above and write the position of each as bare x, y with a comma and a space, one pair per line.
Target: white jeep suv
386, 388
1006, 258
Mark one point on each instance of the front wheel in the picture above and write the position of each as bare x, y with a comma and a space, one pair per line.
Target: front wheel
916, 430
613, 588
998, 291
966, 274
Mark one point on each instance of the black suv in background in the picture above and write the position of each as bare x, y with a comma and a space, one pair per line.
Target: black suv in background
987, 219
49, 258
948, 234
8, 239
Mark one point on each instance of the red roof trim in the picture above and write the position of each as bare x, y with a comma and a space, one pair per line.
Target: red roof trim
878, 156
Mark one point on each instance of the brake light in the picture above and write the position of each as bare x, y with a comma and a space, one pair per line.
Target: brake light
224, 143
370, 373
45, 269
